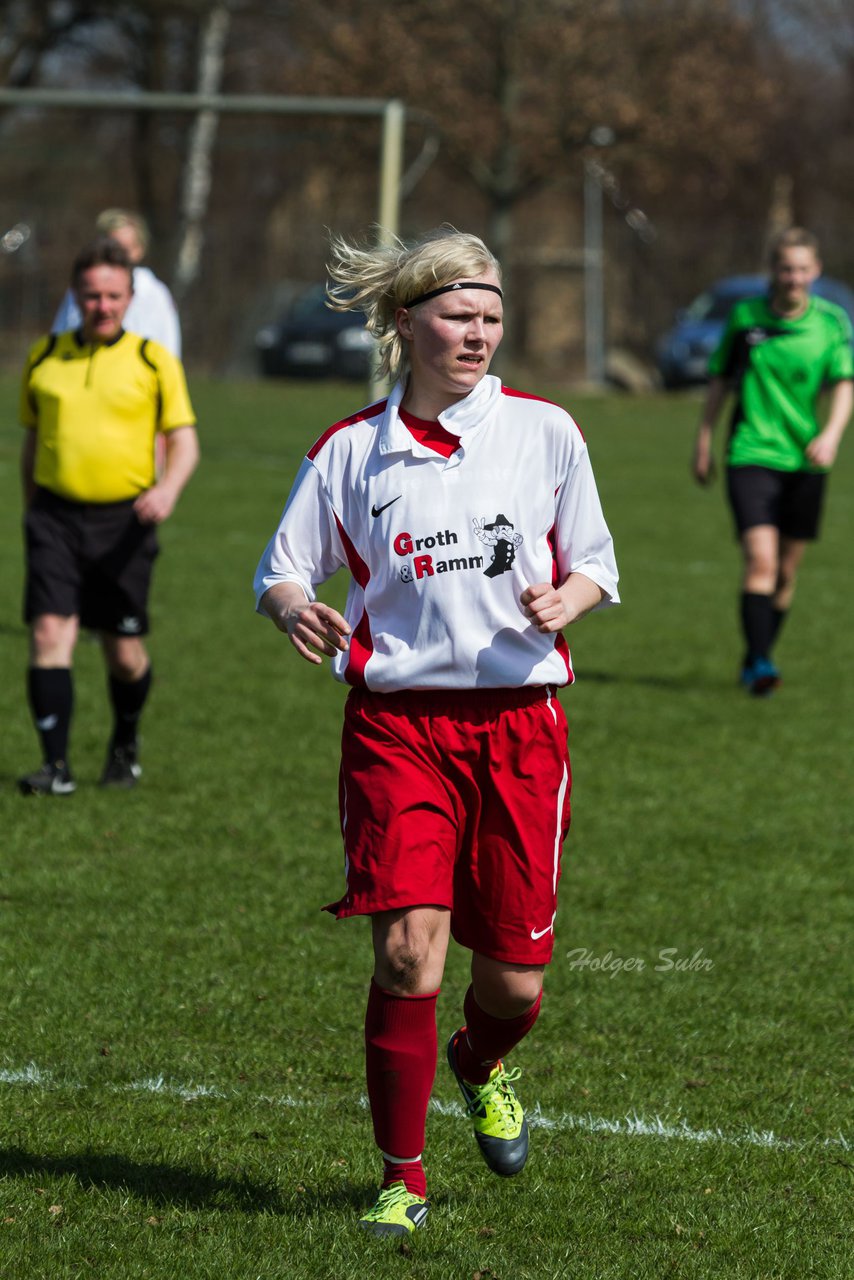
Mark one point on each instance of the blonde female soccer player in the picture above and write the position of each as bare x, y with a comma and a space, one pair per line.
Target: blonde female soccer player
468, 518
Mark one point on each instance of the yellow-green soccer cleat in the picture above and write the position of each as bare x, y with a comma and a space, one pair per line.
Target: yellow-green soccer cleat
397, 1212
499, 1121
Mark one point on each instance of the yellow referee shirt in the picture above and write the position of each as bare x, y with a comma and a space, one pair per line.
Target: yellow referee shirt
96, 409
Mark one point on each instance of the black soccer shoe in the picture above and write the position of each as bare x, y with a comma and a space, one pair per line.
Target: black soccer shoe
49, 780
122, 770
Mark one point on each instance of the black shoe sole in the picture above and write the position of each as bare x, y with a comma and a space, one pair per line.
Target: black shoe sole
764, 686
495, 1151
26, 789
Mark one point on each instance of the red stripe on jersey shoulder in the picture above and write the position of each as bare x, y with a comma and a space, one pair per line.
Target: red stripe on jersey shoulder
371, 411
524, 395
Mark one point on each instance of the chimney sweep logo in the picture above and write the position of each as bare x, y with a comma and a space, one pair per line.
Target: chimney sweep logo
500, 536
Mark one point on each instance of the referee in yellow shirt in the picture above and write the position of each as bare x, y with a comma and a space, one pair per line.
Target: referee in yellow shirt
93, 402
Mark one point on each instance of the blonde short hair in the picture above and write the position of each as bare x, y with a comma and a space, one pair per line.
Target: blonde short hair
379, 280
110, 220
792, 238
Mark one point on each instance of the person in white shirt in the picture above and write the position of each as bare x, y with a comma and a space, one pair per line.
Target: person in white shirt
468, 518
152, 312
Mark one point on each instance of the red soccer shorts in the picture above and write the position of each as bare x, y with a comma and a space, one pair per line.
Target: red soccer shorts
458, 799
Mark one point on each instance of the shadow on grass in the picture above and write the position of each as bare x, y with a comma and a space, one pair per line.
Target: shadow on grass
164, 1184
156, 1183
312, 1201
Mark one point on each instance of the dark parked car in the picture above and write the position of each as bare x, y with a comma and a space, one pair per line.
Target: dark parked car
310, 341
683, 352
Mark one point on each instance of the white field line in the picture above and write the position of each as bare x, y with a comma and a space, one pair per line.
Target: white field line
631, 1126
29, 1075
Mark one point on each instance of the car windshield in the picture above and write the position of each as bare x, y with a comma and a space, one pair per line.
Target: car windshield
311, 302
311, 308
713, 306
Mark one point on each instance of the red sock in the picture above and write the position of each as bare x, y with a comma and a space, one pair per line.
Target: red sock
409, 1172
486, 1039
400, 1062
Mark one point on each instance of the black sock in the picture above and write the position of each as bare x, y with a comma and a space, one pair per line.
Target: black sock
128, 700
51, 695
757, 621
779, 618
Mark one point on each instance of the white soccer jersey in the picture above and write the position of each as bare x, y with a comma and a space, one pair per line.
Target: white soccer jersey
151, 313
440, 549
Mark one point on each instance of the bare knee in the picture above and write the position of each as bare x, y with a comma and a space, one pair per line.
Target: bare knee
404, 964
126, 657
505, 990
761, 571
409, 950
52, 640
760, 546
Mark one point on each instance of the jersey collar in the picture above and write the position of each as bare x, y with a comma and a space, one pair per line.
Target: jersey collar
461, 419
81, 341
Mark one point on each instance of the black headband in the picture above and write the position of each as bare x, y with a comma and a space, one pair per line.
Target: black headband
451, 288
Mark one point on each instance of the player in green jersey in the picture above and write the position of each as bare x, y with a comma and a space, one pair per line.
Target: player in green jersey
777, 354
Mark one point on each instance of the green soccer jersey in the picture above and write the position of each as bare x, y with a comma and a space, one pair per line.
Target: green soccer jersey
779, 367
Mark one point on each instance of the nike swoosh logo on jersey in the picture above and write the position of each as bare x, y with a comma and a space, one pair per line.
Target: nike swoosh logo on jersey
377, 511
538, 933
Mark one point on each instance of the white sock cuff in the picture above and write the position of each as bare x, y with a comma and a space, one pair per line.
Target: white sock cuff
401, 1159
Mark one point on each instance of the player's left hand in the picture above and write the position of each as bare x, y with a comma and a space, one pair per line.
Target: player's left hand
544, 605
155, 505
822, 451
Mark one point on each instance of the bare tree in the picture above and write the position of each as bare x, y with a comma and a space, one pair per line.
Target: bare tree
197, 166
713, 110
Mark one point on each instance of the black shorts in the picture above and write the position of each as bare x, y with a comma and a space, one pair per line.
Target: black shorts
791, 501
92, 560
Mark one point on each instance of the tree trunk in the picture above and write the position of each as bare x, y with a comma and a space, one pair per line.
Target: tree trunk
197, 171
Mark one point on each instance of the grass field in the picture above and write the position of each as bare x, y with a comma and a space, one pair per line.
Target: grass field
181, 1060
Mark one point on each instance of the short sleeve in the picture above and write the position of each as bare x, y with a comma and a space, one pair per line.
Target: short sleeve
306, 548
28, 410
175, 407
841, 362
720, 361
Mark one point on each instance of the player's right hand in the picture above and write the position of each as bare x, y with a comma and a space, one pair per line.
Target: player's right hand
703, 464
317, 630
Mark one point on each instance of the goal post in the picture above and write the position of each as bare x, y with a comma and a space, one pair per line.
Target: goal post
392, 112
